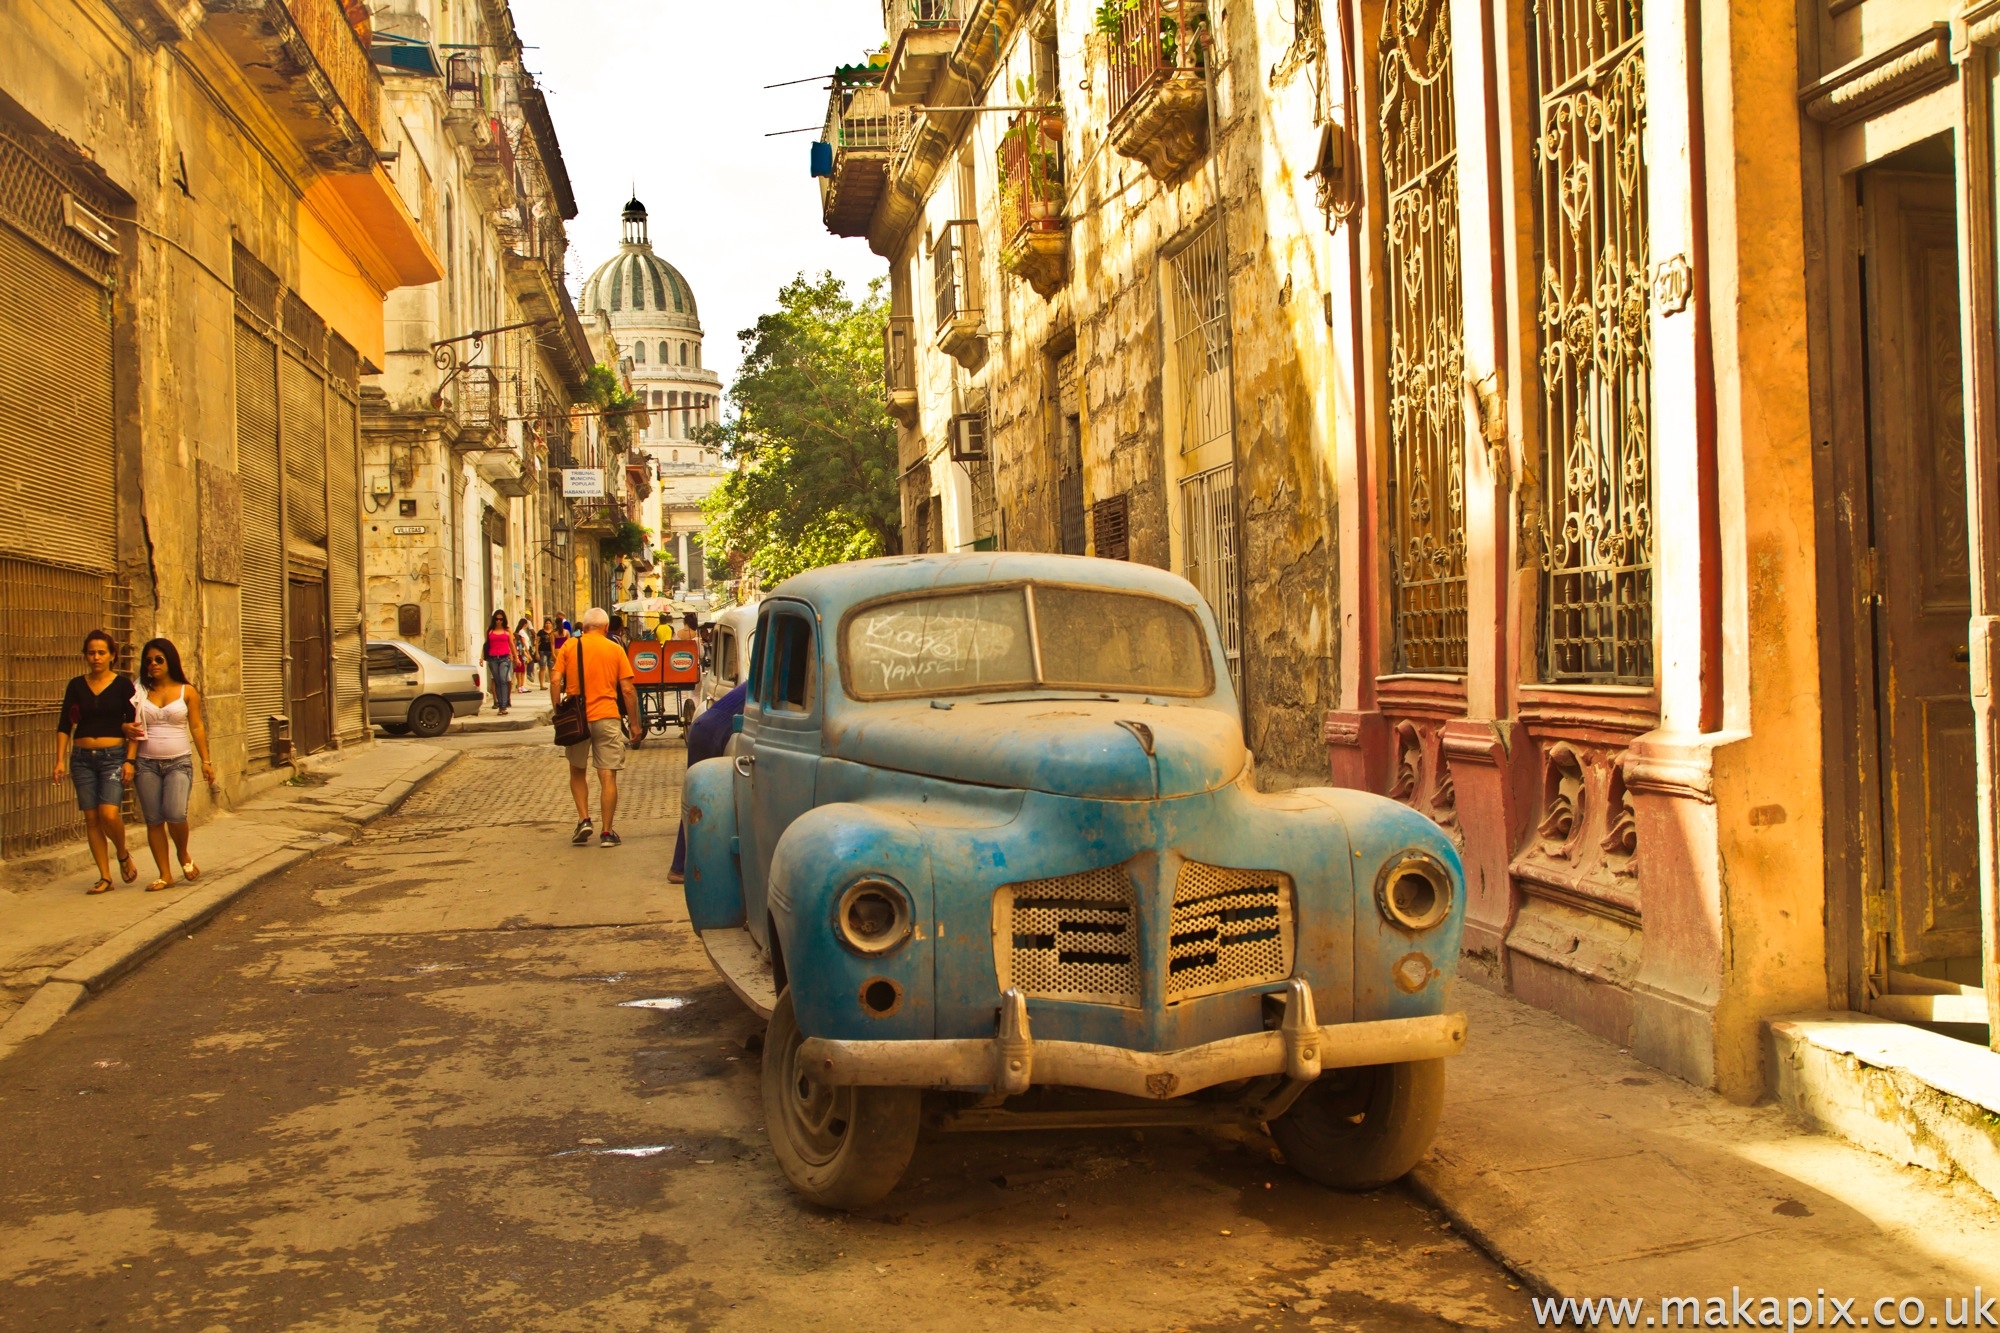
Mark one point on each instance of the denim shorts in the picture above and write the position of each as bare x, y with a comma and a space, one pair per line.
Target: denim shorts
164, 785
98, 776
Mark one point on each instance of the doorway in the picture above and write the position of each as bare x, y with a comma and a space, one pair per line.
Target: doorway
312, 704
1920, 907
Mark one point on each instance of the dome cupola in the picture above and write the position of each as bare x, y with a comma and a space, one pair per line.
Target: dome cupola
636, 287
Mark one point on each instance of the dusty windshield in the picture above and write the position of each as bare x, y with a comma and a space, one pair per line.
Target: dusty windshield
1029, 637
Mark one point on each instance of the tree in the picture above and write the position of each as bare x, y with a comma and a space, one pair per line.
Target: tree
815, 450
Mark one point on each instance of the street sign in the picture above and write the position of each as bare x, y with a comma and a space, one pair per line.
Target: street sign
409, 529
583, 483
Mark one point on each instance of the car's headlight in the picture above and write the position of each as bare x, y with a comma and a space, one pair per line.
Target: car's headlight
1413, 891
873, 915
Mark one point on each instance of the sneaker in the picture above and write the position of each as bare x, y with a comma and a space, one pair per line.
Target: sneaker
608, 838
582, 834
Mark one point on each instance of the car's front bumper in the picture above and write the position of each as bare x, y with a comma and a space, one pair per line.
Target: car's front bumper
1012, 1060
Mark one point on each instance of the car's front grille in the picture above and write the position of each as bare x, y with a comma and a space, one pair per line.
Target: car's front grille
1230, 928
1071, 938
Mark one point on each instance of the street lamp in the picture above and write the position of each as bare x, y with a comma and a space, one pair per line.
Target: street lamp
558, 536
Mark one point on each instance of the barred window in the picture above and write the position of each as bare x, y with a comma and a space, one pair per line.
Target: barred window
1426, 339
1596, 342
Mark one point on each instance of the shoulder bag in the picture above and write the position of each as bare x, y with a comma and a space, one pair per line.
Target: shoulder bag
573, 713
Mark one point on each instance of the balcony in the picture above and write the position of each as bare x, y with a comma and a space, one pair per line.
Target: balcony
1034, 226
508, 471
467, 116
961, 313
861, 134
922, 35
493, 176
1158, 84
899, 368
313, 70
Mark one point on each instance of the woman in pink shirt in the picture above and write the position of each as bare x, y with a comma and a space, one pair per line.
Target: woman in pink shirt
500, 660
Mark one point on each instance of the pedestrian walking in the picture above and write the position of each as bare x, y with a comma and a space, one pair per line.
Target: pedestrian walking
616, 631
170, 731
500, 661
707, 738
524, 651
690, 627
598, 669
545, 647
563, 634
94, 753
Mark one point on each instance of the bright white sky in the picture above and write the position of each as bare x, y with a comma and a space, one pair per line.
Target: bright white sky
669, 94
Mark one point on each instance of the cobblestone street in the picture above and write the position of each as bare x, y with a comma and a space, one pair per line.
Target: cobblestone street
408, 1083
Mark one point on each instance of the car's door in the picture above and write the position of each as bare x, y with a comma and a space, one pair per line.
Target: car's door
778, 767
393, 681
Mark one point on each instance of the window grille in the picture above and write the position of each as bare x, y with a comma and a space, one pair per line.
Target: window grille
1208, 508
1596, 344
1426, 340
899, 367
1110, 528
1198, 291
955, 273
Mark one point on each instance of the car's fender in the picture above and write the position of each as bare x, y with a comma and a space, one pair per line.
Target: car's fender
821, 854
714, 877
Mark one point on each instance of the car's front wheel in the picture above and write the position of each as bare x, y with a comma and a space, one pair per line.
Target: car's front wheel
1359, 1129
430, 716
840, 1147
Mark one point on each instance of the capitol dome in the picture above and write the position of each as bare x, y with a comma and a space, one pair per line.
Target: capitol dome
637, 287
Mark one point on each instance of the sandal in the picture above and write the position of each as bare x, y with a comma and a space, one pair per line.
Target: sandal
158, 885
190, 871
126, 868
102, 886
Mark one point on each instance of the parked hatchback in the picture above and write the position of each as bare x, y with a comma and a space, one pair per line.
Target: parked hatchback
409, 691
989, 854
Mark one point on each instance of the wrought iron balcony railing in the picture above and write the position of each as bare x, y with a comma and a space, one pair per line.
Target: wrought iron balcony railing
1034, 228
1155, 40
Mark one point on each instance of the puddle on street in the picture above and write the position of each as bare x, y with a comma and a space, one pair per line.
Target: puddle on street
638, 1150
663, 1002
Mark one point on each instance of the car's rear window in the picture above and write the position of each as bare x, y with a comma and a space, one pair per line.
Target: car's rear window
980, 641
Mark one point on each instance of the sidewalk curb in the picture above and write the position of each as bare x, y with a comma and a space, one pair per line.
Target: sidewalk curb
399, 791
85, 976
1422, 1184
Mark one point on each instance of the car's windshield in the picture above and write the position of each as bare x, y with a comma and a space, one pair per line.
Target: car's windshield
1025, 637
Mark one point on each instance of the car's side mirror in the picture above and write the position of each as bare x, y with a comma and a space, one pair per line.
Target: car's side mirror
736, 724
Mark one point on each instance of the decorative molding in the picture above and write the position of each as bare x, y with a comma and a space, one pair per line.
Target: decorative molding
1875, 83
1687, 775
1982, 23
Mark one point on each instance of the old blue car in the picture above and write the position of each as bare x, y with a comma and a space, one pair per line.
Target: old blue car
989, 852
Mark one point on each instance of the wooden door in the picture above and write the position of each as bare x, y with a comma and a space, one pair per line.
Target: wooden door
312, 703
1928, 905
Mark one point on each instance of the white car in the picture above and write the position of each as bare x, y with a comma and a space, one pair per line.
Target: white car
729, 655
409, 691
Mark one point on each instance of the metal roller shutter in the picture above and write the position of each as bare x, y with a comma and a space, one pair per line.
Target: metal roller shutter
58, 499
304, 397
57, 495
343, 441
263, 585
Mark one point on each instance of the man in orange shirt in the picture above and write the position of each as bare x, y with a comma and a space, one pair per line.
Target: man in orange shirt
612, 704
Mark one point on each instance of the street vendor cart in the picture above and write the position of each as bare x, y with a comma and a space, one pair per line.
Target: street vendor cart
666, 677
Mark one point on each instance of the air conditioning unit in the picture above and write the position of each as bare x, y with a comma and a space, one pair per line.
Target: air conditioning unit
968, 438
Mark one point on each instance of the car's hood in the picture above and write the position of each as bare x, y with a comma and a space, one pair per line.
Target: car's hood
1109, 750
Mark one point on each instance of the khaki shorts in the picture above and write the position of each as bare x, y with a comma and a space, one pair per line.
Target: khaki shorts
606, 746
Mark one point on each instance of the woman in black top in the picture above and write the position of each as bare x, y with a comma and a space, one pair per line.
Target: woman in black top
93, 751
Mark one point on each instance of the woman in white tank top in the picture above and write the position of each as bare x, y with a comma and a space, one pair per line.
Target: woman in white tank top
169, 730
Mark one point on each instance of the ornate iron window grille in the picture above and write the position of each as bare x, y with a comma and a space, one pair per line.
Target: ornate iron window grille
1596, 343
1426, 339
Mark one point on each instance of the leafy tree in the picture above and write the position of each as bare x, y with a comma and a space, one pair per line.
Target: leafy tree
815, 481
